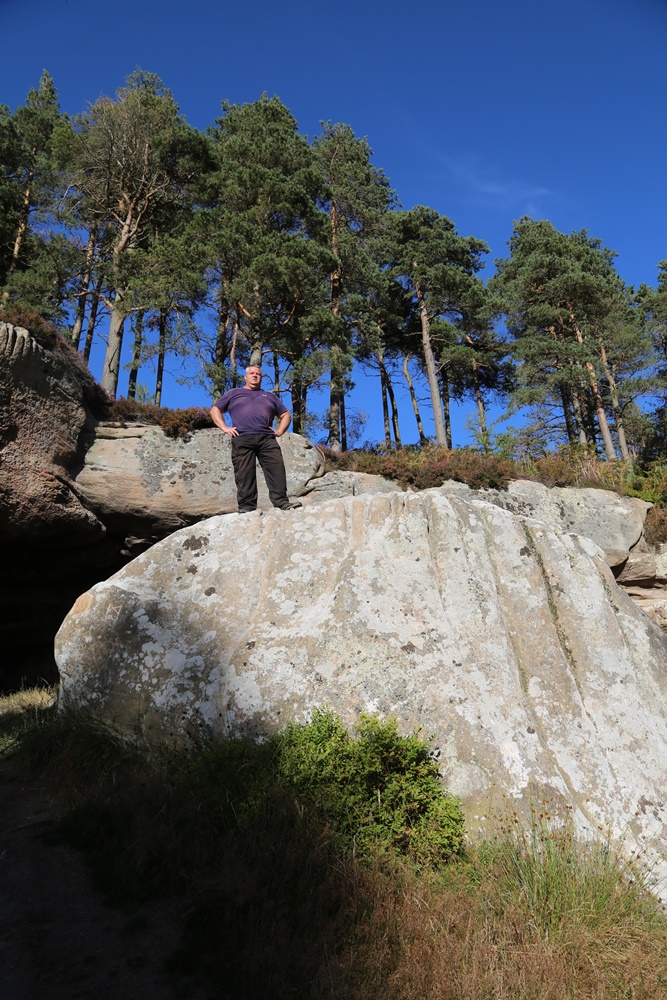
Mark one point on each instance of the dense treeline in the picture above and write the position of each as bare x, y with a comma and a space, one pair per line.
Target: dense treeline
247, 243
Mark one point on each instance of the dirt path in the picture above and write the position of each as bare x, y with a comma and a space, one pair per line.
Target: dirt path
58, 939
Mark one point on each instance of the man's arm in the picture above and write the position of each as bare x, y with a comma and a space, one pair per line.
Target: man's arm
219, 421
283, 423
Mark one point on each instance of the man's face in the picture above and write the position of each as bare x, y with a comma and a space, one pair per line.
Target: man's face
253, 377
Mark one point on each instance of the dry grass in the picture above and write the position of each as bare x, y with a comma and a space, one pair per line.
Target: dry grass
419, 941
272, 906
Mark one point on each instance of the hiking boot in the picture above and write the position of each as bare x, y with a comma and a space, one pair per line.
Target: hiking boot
291, 506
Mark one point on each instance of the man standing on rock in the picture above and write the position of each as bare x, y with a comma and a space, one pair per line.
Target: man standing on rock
253, 438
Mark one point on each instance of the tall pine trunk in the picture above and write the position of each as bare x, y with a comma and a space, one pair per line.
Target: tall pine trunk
481, 412
111, 369
384, 388
423, 440
335, 399
222, 348
343, 424
444, 391
256, 350
566, 401
298, 394
92, 319
610, 451
431, 371
22, 229
162, 347
394, 413
615, 403
83, 292
136, 355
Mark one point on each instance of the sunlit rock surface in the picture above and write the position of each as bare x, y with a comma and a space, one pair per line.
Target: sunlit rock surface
140, 480
506, 639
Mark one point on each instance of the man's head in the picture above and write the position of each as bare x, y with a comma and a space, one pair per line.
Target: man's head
253, 377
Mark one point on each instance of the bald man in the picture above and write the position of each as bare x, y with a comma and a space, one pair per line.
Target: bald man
252, 412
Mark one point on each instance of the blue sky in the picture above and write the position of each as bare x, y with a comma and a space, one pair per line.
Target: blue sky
482, 111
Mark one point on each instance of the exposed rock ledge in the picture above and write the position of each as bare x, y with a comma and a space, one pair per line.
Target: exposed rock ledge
139, 480
508, 640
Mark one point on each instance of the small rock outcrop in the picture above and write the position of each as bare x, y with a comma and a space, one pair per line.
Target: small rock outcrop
613, 522
507, 639
337, 484
51, 543
139, 480
79, 496
47, 404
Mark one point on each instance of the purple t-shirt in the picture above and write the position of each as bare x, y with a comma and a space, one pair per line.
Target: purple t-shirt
252, 410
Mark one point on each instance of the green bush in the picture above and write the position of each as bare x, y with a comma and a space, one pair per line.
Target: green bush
379, 792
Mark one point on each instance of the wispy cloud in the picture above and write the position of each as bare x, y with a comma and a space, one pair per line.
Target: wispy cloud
480, 184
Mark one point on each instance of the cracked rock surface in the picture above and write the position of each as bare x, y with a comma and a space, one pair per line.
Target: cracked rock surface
506, 639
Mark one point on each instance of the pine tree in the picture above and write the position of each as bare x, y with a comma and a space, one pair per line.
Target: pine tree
358, 195
577, 334
129, 157
436, 266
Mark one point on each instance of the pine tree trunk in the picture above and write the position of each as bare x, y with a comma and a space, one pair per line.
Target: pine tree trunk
481, 413
232, 352
394, 412
343, 425
162, 344
297, 410
579, 415
83, 294
444, 384
566, 402
222, 348
256, 354
92, 319
385, 401
23, 225
276, 372
111, 369
610, 451
335, 394
423, 440
429, 360
136, 355
615, 404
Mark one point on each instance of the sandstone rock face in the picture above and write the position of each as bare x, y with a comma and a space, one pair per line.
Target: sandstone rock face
336, 484
508, 640
140, 480
44, 412
615, 523
49, 538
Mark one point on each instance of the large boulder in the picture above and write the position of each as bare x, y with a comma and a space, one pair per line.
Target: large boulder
141, 481
506, 639
614, 523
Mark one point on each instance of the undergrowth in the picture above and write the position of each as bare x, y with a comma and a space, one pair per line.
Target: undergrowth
318, 865
426, 468
175, 423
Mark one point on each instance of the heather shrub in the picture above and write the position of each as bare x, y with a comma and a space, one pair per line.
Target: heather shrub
426, 468
175, 423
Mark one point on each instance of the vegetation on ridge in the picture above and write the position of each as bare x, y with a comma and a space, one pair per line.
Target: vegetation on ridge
249, 242
304, 869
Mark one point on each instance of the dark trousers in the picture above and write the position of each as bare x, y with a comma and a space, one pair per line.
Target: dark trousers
246, 449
